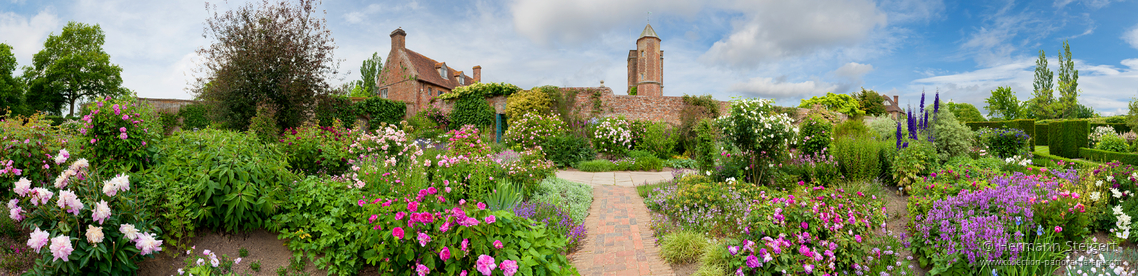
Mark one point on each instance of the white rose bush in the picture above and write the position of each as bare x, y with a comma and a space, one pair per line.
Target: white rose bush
757, 130
83, 224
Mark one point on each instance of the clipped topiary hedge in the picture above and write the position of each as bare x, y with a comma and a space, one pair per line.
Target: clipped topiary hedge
379, 110
1066, 137
1040, 134
1108, 156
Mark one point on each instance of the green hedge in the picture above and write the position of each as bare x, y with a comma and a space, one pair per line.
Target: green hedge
1066, 137
1040, 155
1027, 125
1108, 156
1120, 128
379, 110
330, 108
1040, 134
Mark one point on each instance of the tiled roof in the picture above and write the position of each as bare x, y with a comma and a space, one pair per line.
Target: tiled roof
648, 32
428, 71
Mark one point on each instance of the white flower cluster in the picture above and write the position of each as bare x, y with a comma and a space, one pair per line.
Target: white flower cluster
1018, 160
1122, 224
752, 121
612, 135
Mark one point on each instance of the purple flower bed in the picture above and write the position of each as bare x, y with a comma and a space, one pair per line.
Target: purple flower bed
555, 219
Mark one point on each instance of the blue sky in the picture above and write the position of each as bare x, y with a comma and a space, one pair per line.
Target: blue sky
782, 50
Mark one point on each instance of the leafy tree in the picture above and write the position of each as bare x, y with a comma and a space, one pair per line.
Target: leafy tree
276, 54
369, 72
1068, 84
1042, 103
11, 89
965, 112
871, 102
1002, 104
1132, 115
72, 67
842, 103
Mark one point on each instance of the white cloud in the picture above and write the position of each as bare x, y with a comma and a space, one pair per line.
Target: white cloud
546, 21
1094, 4
26, 35
853, 70
1132, 63
1131, 36
779, 88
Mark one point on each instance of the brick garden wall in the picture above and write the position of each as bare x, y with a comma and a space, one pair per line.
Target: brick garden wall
666, 108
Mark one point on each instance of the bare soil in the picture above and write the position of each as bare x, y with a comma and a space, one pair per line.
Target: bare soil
896, 207
685, 269
262, 245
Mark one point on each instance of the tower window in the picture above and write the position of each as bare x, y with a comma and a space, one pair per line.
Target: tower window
383, 93
641, 53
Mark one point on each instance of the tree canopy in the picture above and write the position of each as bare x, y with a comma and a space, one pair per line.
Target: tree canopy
273, 54
1003, 104
71, 67
872, 103
369, 72
842, 103
965, 112
11, 89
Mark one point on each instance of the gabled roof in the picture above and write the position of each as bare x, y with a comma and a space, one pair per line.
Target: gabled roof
648, 32
427, 70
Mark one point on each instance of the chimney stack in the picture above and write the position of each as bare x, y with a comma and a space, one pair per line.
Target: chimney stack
477, 73
398, 39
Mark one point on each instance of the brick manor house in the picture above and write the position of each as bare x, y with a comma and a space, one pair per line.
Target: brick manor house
415, 79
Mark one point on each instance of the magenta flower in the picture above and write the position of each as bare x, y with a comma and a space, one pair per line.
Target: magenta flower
445, 253
422, 269
490, 219
463, 273
498, 244
372, 218
485, 265
399, 216
857, 238
397, 232
465, 245
753, 261
805, 225
424, 239
432, 190
413, 206
1058, 229
361, 202
481, 206
509, 267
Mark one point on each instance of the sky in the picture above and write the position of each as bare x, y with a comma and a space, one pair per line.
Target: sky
776, 49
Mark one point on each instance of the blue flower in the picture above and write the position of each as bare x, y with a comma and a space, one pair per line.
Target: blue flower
1019, 220
1039, 230
994, 272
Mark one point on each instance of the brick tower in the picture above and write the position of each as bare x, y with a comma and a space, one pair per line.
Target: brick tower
646, 65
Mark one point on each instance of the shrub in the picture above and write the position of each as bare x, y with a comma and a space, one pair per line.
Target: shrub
576, 197
169, 121
598, 165
194, 116
128, 238
852, 127
216, 178
681, 163
1066, 137
1004, 142
567, 149
313, 149
506, 196
752, 126
695, 109
264, 125
531, 130
705, 148
441, 236
331, 108
472, 110
913, 161
815, 136
377, 110
683, 247
648, 163
657, 140
482, 90
466, 142
951, 137
322, 219
1098, 133
885, 128
119, 134
819, 169
422, 127
842, 103
29, 147
556, 220
526, 102
1112, 143
859, 157
612, 137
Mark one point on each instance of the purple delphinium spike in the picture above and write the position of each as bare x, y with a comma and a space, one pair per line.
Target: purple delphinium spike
912, 124
925, 123
898, 135
936, 103
922, 101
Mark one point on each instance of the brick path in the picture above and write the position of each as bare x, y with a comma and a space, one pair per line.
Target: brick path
620, 241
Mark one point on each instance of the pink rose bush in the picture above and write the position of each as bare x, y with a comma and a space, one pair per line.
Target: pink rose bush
74, 228
532, 130
119, 133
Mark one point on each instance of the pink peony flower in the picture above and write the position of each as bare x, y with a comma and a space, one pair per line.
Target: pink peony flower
94, 234
16, 214
413, 206
22, 187
399, 216
509, 267
397, 232
69, 202
485, 265
498, 244
432, 190
38, 239
61, 248
41, 196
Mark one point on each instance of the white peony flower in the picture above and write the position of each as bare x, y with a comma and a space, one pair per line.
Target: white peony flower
94, 234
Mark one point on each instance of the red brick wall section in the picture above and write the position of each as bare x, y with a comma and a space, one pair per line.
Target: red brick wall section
167, 105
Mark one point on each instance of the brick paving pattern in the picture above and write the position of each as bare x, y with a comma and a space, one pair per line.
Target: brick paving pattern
620, 241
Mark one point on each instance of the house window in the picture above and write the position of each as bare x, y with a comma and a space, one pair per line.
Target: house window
383, 93
461, 80
430, 91
443, 72
442, 92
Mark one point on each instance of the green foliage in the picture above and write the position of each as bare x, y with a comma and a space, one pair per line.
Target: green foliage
322, 219
215, 178
913, 162
1005, 142
119, 134
1003, 104
531, 130
72, 66
852, 127
422, 127
1132, 114
859, 156
1118, 127
1068, 83
965, 112
194, 116
841, 103
709, 104
870, 102
754, 128
815, 136
377, 110
885, 128
481, 90
1066, 137
953, 138
657, 139
285, 62
567, 149
369, 73
168, 121
683, 247
681, 163
312, 149
27, 160
612, 136
506, 196
1028, 127
1113, 143
574, 197
714, 261
471, 110
330, 108
695, 110
11, 88
526, 102
705, 148
597, 165
264, 125
1101, 155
